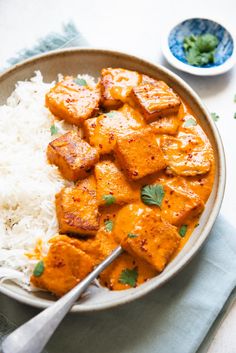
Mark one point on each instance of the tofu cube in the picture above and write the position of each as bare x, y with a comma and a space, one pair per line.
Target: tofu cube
166, 125
73, 156
89, 127
116, 85
112, 276
103, 134
145, 236
187, 154
155, 100
154, 241
73, 102
77, 208
64, 267
139, 154
180, 204
112, 182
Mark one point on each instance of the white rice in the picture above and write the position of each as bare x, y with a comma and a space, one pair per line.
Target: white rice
28, 184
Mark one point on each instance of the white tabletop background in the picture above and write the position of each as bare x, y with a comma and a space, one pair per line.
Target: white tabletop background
137, 26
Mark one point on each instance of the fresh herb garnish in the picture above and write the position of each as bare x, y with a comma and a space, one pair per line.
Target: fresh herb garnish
131, 235
200, 50
109, 199
153, 194
190, 122
53, 130
39, 269
129, 277
109, 225
234, 115
80, 81
215, 116
183, 230
110, 114
235, 98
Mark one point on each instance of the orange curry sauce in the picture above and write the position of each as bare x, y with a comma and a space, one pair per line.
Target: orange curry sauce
142, 175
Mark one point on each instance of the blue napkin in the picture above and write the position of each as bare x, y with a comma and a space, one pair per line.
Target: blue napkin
174, 318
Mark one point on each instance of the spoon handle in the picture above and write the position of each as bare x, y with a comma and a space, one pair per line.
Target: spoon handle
34, 334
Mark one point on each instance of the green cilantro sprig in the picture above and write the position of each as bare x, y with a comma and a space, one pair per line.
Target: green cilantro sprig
183, 230
215, 117
53, 130
200, 50
39, 269
153, 194
80, 81
129, 276
109, 225
109, 199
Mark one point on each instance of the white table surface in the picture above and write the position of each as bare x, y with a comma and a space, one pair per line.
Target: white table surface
136, 26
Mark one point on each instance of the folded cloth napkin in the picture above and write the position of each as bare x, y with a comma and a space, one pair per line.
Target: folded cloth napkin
173, 319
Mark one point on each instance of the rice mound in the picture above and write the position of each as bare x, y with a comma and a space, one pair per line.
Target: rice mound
28, 183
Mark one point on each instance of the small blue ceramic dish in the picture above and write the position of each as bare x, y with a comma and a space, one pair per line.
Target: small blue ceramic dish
225, 53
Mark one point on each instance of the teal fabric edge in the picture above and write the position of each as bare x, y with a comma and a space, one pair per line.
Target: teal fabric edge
69, 37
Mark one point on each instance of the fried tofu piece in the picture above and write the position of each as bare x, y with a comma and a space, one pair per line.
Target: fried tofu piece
180, 204
113, 275
116, 85
166, 125
72, 102
112, 182
77, 208
127, 219
89, 127
188, 154
64, 267
99, 247
155, 100
73, 156
155, 242
145, 235
109, 126
139, 154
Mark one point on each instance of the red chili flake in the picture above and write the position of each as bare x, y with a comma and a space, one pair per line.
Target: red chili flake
135, 173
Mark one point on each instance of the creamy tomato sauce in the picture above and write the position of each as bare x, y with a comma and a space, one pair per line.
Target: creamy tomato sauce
142, 174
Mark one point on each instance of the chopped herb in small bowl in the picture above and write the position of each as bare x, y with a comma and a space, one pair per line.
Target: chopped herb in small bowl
200, 50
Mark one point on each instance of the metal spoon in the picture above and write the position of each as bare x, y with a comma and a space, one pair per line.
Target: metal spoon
34, 334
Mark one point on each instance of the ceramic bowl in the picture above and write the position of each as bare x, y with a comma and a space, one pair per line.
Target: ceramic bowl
225, 53
91, 61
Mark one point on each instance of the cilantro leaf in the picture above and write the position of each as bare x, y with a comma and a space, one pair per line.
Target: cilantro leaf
235, 98
109, 199
183, 230
153, 194
131, 235
206, 43
53, 130
80, 81
39, 269
109, 225
234, 115
129, 277
200, 50
215, 116
110, 114
190, 122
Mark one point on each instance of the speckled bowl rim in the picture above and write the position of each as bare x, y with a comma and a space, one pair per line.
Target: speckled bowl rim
150, 285
198, 71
